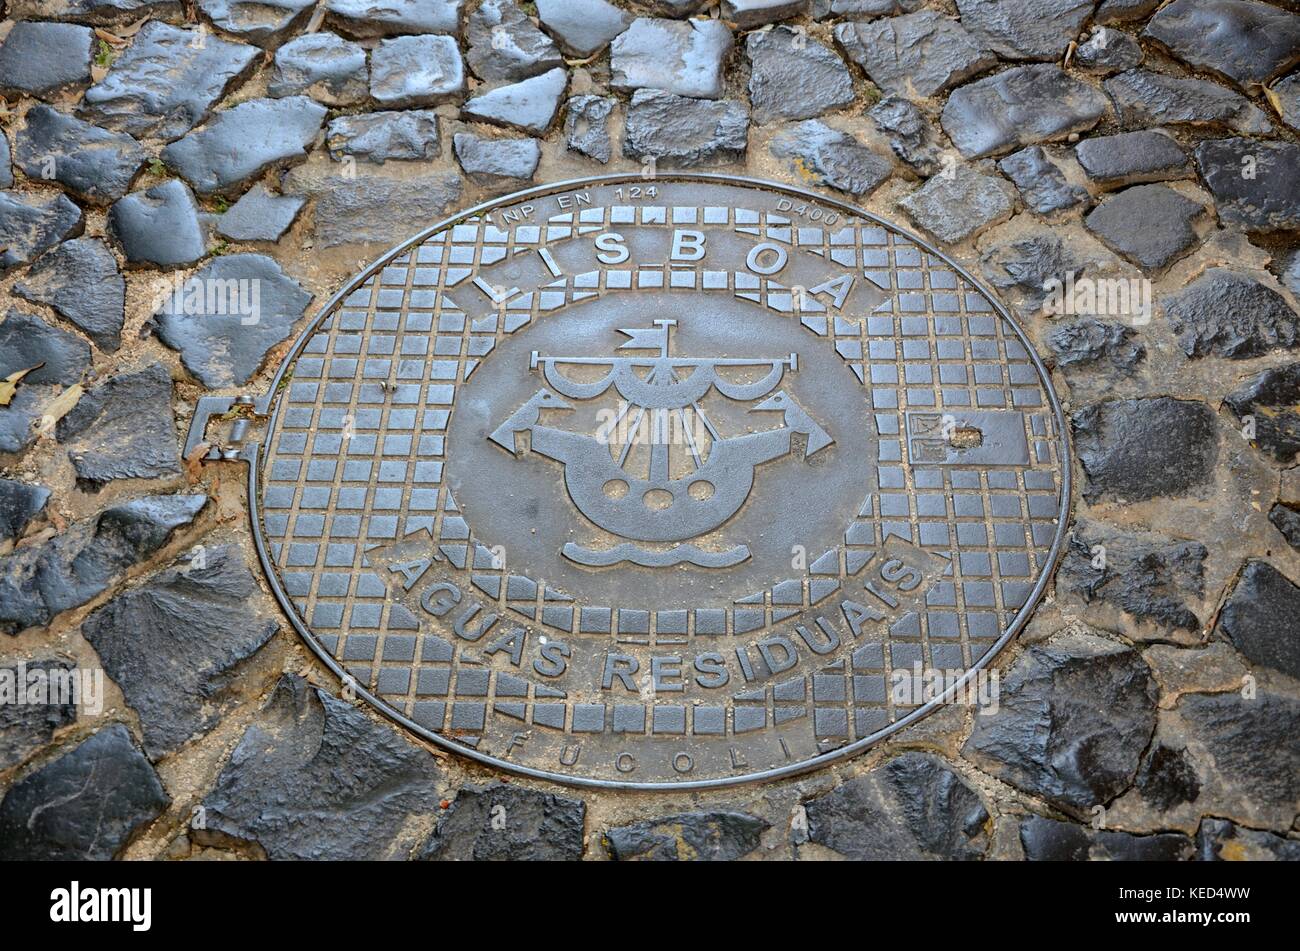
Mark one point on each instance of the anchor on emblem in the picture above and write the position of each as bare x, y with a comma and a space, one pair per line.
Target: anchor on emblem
671, 501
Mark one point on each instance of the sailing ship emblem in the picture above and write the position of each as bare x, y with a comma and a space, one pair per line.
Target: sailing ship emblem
674, 500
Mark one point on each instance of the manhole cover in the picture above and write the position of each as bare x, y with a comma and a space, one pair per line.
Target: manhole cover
660, 483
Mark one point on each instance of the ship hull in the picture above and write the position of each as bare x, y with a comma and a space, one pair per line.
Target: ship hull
729, 470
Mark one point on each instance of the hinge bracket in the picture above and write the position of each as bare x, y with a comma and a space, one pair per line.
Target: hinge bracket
238, 413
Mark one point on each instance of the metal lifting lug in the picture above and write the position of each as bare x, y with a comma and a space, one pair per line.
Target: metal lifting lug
236, 414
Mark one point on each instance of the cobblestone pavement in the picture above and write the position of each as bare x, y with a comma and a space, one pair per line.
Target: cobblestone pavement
1064, 150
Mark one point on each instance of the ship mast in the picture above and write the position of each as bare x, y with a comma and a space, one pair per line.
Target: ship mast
659, 438
661, 398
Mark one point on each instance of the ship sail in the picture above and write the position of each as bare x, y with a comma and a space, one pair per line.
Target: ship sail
662, 387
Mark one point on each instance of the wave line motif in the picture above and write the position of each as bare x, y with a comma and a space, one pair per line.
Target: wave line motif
627, 552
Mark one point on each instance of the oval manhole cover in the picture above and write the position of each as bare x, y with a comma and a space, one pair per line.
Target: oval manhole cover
659, 483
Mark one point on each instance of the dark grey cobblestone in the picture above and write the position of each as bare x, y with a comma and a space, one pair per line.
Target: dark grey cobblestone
1146, 98
165, 82
693, 837
912, 136
1132, 157
241, 143
684, 133
1269, 402
81, 281
1287, 269
915, 55
1231, 314
961, 206
1029, 29
159, 225
748, 14
181, 634
1256, 185
506, 822
26, 727
1026, 265
1042, 185
379, 137
506, 45
1074, 718
48, 354
259, 215
223, 348
864, 8
1166, 778
1048, 840
389, 17
913, 807
1149, 577
529, 105
676, 8
124, 428
586, 126
44, 59
832, 158
324, 66
20, 504
68, 570
1089, 342
1018, 107
19, 419
1151, 225
794, 77
86, 805
1285, 97
42, 359
681, 58
416, 71
1286, 519
1259, 618
1220, 840
1245, 41
1246, 768
1133, 450
1108, 51
582, 27
497, 162
1124, 11
263, 23
31, 223
314, 778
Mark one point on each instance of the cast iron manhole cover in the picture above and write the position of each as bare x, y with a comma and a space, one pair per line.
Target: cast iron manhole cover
659, 483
